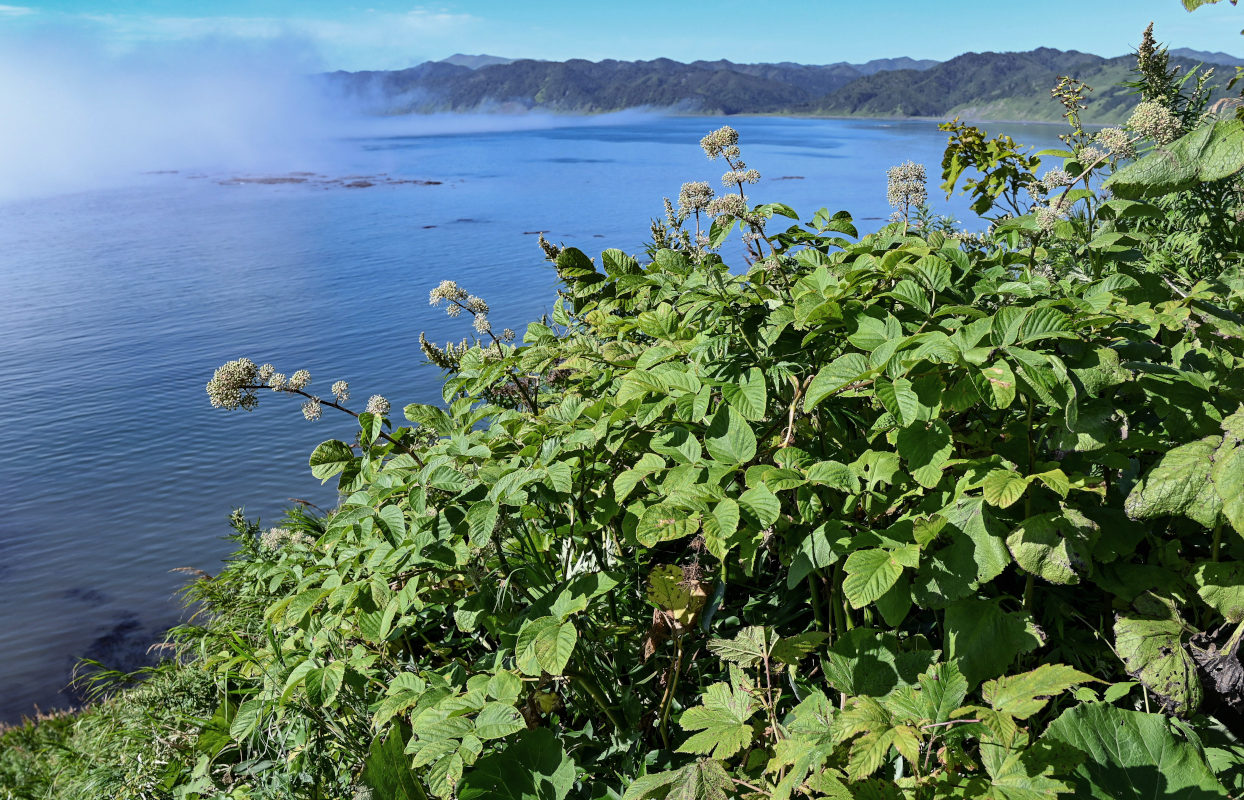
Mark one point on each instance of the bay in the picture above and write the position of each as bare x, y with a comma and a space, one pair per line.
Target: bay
117, 304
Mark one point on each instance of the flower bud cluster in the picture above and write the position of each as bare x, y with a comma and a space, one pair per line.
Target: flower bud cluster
1117, 142
1047, 217
1155, 121
721, 142
1090, 155
312, 409
728, 205
232, 385
694, 196
906, 185
299, 380
738, 177
376, 404
1056, 178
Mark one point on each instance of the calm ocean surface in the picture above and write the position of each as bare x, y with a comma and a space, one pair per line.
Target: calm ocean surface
117, 304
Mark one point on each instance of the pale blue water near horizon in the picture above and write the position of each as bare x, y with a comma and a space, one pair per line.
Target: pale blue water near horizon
116, 305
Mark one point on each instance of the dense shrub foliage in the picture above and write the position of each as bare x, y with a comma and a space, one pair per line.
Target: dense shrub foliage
918, 514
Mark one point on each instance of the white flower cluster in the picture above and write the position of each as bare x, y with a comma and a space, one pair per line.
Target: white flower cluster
299, 380
230, 386
341, 390
1155, 121
906, 185
694, 196
738, 177
1047, 217
447, 290
1090, 155
274, 539
312, 409
1117, 142
1056, 178
728, 205
377, 405
721, 142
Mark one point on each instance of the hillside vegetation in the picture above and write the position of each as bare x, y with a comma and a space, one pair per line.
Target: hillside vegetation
1013, 86
924, 513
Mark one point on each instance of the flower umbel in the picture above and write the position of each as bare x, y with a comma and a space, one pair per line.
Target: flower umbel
377, 405
906, 186
231, 385
717, 143
694, 196
1155, 121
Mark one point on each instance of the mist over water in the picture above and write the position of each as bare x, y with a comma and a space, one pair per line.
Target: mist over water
75, 116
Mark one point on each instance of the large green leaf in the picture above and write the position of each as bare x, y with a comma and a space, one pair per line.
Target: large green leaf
729, 438
1150, 640
721, 722
985, 639
1055, 547
1221, 586
533, 767
870, 574
545, 644
1023, 695
747, 394
1132, 756
329, 458
387, 769
926, 448
1179, 484
1209, 153
872, 662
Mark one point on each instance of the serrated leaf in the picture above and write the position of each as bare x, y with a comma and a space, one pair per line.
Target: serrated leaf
870, 574
1132, 756
1150, 642
1003, 487
1221, 586
840, 372
747, 395
722, 722
926, 448
729, 438
545, 644
1055, 547
1179, 484
1023, 695
496, 720
329, 458
900, 399
985, 639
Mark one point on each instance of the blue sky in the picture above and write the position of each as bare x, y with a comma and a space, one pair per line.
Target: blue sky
383, 35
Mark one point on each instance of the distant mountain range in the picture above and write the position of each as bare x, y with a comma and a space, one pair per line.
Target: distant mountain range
980, 86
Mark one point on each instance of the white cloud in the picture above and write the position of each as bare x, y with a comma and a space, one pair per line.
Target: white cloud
15, 11
373, 39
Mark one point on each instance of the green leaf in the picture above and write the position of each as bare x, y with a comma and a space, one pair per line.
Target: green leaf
1003, 487
748, 647
324, 683
985, 639
999, 383
545, 644
1179, 484
1055, 547
1211, 152
729, 438
842, 371
1132, 756
1150, 642
722, 722
926, 449
1221, 586
899, 399
387, 769
870, 574
1023, 695
481, 518
246, 720
496, 720
533, 767
865, 661
329, 458
759, 507
701, 780
665, 522
747, 395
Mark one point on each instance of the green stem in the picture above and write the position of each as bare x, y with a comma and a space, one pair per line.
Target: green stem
1217, 546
